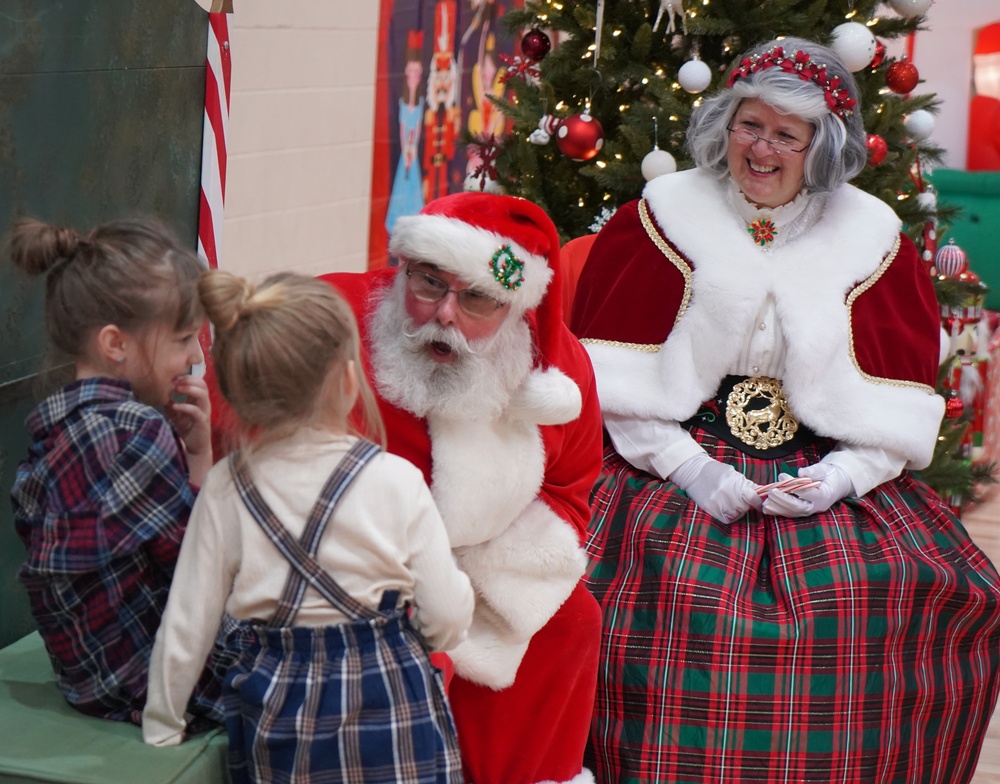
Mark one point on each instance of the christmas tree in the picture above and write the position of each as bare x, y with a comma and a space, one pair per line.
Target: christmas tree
606, 108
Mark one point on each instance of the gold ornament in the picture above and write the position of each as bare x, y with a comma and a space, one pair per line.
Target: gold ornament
763, 426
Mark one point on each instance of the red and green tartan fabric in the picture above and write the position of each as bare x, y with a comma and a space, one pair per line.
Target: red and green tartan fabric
857, 645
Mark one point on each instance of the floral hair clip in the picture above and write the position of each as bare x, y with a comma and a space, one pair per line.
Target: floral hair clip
801, 64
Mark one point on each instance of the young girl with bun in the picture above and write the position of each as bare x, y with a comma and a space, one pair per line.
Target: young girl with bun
327, 550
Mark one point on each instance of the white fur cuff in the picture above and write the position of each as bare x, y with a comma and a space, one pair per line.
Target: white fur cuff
521, 578
528, 571
490, 655
583, 777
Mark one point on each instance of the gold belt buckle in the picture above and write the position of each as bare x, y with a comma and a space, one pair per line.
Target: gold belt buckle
763, 426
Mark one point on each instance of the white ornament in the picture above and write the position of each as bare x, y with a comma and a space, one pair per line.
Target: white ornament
694, 76
919, 124
927, 200
475, 184
910, 8
855, 45
658, 162
606, 214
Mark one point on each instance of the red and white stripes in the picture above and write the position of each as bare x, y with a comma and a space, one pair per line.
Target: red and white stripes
213, 149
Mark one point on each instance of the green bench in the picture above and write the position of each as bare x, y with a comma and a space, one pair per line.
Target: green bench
43, 739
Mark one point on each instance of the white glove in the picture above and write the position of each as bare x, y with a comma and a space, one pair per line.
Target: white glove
835, 484
719, 489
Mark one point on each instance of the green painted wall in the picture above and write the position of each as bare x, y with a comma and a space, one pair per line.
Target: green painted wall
101, 105
976, 228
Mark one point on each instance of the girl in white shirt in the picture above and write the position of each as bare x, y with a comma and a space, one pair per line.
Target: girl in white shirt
329, 552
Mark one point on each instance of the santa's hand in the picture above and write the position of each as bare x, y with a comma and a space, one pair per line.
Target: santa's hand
834, 484
719, 489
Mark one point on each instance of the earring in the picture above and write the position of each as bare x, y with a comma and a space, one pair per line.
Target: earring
120, 360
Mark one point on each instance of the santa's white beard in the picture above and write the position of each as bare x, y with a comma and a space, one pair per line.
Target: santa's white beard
472, 386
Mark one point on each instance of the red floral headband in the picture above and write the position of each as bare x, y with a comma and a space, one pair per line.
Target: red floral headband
837, 98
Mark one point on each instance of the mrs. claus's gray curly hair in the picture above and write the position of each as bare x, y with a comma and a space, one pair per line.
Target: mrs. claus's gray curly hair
837, 151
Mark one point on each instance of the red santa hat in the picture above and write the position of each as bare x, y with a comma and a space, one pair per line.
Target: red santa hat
503, 246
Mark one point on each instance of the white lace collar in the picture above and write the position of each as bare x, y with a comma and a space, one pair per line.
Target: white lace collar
774, 226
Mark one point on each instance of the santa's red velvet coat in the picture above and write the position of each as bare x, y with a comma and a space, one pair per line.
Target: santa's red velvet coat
535, 729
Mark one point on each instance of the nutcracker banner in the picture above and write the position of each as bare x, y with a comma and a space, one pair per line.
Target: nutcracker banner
438, 63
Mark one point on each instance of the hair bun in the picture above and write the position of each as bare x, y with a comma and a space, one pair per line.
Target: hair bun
225, 297
67, 241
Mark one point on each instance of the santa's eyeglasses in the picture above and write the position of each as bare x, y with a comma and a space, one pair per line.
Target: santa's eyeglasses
423, 285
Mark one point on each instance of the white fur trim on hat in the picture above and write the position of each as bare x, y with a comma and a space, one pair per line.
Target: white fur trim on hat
547, 397
467, 251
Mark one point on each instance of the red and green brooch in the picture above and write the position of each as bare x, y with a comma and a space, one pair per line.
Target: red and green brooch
763, 231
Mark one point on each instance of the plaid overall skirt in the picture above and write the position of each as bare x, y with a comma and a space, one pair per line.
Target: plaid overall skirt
357, 702
857, 645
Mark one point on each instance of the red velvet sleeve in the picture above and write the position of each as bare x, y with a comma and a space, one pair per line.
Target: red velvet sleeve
896, 324
628, 291
574, 451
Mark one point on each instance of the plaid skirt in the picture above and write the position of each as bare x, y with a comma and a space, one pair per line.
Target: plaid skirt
354, 703
861, 644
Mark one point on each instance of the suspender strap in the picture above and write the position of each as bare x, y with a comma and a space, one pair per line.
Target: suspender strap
305, 567
343, 475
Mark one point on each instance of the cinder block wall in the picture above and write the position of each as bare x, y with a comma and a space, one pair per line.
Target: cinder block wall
300, 135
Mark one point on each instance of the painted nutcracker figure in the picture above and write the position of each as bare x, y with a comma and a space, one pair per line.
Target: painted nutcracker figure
407, 197
442, 118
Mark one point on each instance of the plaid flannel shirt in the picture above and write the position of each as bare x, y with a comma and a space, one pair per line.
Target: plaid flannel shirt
101, 504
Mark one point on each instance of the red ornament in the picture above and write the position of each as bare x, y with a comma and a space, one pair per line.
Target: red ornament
968, 276
580, 137
954, 407
521, 67
877, 149
535, 44
901, 77
879, 54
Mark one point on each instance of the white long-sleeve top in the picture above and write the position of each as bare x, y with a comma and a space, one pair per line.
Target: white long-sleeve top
386, 534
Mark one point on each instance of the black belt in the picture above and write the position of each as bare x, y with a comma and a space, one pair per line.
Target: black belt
752, 414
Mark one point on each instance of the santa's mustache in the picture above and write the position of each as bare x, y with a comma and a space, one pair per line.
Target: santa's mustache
434, 333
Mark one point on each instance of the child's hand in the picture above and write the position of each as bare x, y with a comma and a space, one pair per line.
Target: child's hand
193, 420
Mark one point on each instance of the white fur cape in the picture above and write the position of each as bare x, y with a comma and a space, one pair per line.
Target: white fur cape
810, 278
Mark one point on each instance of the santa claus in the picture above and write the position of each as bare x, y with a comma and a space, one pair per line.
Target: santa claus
483, 387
